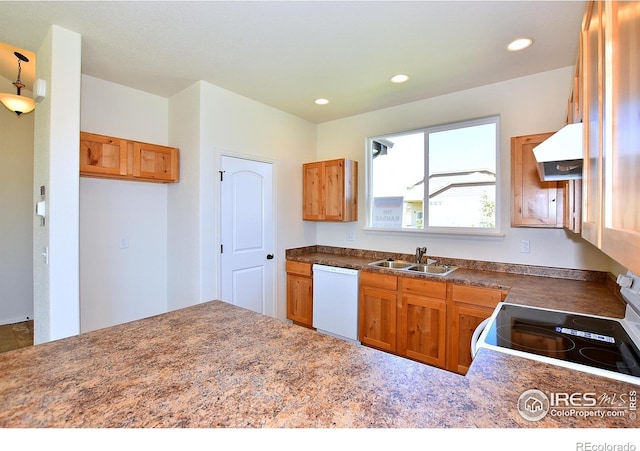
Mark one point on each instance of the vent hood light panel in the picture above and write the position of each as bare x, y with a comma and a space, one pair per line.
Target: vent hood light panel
560, 156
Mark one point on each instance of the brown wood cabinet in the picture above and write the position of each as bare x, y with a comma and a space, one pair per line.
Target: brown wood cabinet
575, 107
593, 96
330, 191
423, 319
467, 308
422, 311
300, 293
610, 64
534, 203
153, 162
377, 314
102, 155
117, 158
572, 190
620, 222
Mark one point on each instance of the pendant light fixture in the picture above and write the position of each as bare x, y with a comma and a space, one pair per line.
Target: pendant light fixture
15, 102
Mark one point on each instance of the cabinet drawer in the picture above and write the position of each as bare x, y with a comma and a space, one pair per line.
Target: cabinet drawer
304, 269
373, 279
487, 297
423, 287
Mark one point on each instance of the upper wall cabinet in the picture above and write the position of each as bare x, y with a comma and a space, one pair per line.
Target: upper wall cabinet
117, 158
102, 156
330, 191
592, 55
534, 203
621, 147
611, 94
153, 162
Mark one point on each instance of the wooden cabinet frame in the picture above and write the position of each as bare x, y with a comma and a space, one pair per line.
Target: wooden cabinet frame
377, 311
116, 158
534, 203
467, 307
300, 293
620, 215
592, 50
610, 65
422, 313
330, 191
423, 319
102, 155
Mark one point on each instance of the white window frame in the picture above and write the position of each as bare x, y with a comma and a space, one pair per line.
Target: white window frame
467, 231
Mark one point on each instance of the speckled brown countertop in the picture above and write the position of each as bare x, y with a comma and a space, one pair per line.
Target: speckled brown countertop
217, 365
581, 291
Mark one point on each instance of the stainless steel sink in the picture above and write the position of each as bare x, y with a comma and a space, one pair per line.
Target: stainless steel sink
429, 268
436, 270
392, 264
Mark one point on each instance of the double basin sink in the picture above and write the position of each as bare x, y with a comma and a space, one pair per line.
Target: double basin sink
429, 268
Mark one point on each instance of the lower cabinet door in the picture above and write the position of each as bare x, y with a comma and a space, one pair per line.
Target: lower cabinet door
463, 319
377, 321
422, 329
300, 299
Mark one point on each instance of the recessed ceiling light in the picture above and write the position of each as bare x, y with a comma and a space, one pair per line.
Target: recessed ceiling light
400, 78
321, 101
519, 44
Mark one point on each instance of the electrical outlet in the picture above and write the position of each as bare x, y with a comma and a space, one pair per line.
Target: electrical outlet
350, 236
524, 246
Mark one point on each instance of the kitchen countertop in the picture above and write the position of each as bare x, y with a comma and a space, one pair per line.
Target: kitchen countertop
218, 365
556, 288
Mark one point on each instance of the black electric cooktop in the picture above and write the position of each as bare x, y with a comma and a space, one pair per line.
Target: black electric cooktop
585, 340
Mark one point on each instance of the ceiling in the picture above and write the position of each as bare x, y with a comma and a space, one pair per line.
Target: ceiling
287, 54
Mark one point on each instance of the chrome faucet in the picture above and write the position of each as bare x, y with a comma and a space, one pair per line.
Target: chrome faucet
420, 252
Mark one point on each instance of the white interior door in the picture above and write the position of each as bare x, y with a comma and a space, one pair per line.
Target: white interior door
247, 259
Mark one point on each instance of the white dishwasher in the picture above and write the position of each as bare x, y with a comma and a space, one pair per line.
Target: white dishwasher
335, 301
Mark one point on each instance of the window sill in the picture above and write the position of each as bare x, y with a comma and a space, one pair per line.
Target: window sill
445, 232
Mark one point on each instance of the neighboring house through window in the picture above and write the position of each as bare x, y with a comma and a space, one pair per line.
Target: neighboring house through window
436, 179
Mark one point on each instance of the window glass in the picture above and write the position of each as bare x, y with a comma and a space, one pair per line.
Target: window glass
436, 179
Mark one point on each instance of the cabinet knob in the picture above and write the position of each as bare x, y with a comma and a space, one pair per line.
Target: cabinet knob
269, 256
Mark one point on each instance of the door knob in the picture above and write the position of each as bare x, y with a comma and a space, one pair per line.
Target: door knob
269, 256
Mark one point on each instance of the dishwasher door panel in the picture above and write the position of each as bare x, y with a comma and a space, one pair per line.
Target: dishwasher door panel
335, 301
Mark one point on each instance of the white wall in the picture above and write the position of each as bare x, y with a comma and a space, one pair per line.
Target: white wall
527, 105
56, 159
16, 214
230, 124
122, 284
189, 282
172, 259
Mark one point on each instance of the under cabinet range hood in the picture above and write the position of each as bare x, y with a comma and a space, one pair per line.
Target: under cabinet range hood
560, 156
